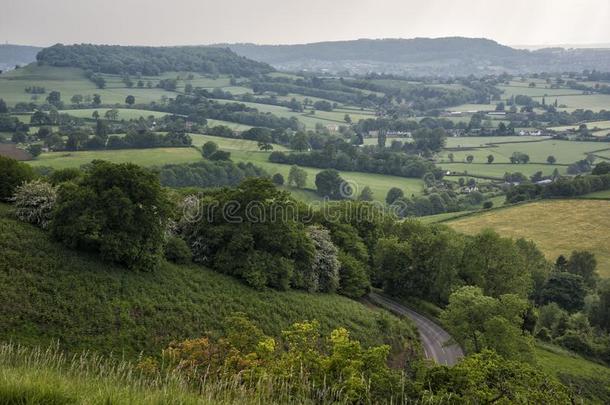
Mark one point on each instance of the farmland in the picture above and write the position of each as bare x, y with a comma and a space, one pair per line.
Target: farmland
557, 226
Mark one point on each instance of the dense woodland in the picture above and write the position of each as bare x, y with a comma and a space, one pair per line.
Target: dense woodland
150, 61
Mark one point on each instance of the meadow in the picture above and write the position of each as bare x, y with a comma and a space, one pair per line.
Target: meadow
142, 157
497, 170
380, 184
557, 226
123, 113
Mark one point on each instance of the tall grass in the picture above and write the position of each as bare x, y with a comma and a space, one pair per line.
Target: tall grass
48, 376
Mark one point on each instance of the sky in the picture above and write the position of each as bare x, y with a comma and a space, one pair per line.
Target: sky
193, 22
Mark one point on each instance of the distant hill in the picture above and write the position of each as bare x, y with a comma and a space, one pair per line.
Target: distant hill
11, 55
115, 59
423, 56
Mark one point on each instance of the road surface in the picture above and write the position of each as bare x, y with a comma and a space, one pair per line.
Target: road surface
435, 339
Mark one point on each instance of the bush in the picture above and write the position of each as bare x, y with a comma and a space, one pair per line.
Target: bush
278, 179
177, 251
117, 210
13, 174
488, 204
34, 202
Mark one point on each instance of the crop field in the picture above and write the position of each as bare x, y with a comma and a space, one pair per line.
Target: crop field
379, 183
143, 157
557, 226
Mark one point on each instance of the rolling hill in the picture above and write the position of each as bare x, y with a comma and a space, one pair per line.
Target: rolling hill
53, 295
423, 56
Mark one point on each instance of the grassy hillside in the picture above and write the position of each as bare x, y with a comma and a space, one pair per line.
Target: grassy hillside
557, 226
51, 294
591, 381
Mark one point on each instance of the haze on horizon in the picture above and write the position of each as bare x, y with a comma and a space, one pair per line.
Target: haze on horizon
192, 22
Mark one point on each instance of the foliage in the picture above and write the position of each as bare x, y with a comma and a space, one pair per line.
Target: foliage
480, 322
176, 250
117, 210
244, 241
14, 174
565, 289
330, 184
297, 177
324, 273
34, 202
148, 61
208, 173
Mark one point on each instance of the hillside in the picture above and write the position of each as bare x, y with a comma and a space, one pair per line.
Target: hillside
12, 55
557, 227
135, 60
52, 294
422, 56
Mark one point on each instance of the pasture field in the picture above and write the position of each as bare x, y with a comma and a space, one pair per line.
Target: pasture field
484, 141
499, 169
592, 126
68, 81
518, 88
142, 157
566, 152
230, 143
557, 226
594, 102
379, 183
473, 107
598, 195
233, 125
124, 113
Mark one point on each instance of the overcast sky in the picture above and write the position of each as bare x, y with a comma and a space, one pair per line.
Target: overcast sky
186, 22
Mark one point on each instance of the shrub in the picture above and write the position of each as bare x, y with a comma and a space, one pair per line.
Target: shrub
117, 210
177, 251
13, 174
278, 179
34, 202
488, 204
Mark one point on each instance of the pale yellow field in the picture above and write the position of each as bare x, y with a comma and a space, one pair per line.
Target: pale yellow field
557, 227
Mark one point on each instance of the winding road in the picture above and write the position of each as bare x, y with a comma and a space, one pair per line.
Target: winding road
435, 340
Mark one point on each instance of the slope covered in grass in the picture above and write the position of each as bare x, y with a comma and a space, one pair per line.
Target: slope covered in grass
51, 294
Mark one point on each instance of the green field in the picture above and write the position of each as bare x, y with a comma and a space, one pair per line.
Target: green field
590, 380
379, 183
230, 143
595, 102
557, 226
143, 157
541, 90
484, 141
124, 113
497, 170
68, 81
473, 107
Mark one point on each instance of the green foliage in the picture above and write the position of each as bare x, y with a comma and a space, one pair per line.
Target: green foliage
34, 202
584, 264
489, 378
208, 174
117, 210
177, 251
297, 177
324, 273
150, 60
353, 276
278, 179
393, 194
330, 184
565, 289
209, 148
244, 242
481, 322
14, 174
